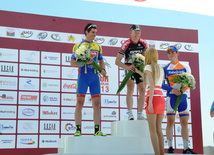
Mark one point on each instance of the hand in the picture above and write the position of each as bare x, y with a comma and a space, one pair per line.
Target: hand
90, 62
150, 108
176, 92
136, 70
131, 68
103, 72
184, 89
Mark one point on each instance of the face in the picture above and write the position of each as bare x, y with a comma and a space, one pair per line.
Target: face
91, 34
135, 35
173, 56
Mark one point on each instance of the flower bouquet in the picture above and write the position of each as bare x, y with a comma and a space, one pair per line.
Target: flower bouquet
186, 80
83, 56
138, 61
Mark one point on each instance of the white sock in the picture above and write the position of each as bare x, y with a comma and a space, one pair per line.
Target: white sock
185, 143
169, 142
129, 112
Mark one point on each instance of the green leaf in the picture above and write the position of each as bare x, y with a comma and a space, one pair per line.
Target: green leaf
124, 82
178, 100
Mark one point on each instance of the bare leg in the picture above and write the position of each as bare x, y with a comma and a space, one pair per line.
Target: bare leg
141, 99
78, 110
96, 106
160, 134
152, 118
129, 98
170, 125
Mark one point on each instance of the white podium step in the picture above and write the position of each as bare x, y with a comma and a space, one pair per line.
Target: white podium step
109, 144
128, 137
133, 128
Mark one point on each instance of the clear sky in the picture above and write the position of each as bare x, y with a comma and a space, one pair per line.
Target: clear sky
144, 16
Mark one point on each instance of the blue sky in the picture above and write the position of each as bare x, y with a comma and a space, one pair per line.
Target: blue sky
143, 16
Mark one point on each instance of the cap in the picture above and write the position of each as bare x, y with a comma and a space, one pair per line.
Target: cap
172, 48
135, 27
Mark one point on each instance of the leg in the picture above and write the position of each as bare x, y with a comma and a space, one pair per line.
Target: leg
160, 133
141, 98
152, 118
129, 98
170, 125
184, 130
78, 110
96, 106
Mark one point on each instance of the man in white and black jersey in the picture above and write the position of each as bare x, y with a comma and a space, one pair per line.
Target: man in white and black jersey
132, 46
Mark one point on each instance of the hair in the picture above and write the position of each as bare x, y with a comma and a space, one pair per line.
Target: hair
88, 27
151, 58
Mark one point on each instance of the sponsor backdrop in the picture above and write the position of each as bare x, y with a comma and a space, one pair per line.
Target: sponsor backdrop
37, 84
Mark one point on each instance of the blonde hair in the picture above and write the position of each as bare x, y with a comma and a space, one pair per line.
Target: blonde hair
151, 58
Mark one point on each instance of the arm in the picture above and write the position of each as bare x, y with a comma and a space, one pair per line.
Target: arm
151, 90
102, 66
212, 110
120, 64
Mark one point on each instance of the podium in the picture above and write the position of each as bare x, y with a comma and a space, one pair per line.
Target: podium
127, 138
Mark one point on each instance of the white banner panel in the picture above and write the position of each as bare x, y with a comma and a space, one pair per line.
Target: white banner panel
31, 98
49, 126
87, 127
68, 127
49, 112
109, 114
7, 111
69, 72
68, 99
29, 56
67, 113
29, 84
178, 129
7, 141
27, 141
28, 112
8, 97
50, 85
50, 58
9, 69
8, 54
29, 70
9, 83
50, 71
50, 99
48, 141
87, 114
106, 127
7, 126
26, 126
123, 102
109, 101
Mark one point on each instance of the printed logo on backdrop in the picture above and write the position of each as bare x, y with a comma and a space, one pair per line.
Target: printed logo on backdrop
27, 141
8, 84
50, 85
50, 113
7, 111
110, 102
151, 44
188, 47
69, 73
56, 37
6, 128
7, 141
69, 86
99, 40
178, 46
71, 38
30, 57
50, 58
50, 71
28, 84
42, 35
7, 68
26, 34
46, 99
164, 45
49, 126
8, 54
122, 41
28, 98
8, 97
113, 115
113, 41
49, 141
10, 32
28, 112
70, 127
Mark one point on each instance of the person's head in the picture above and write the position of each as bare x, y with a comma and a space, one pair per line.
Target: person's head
173, 53
151, 58
90, 31
135, 32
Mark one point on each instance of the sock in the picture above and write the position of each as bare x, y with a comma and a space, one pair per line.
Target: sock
185, 143
129, 112
78, 128
97, 128
139, 114
169, 142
